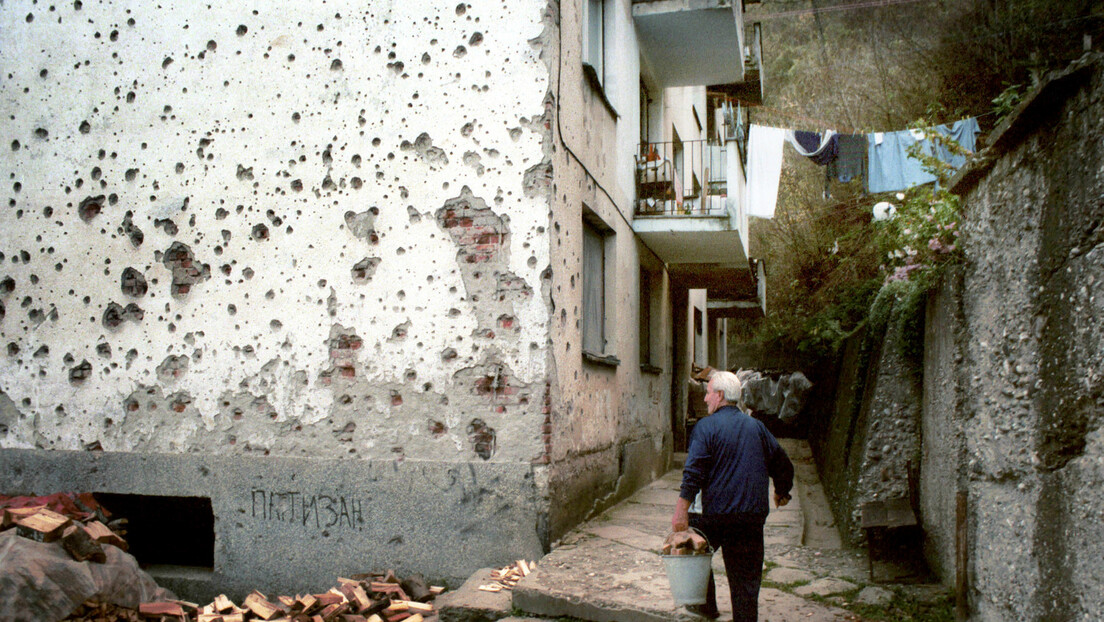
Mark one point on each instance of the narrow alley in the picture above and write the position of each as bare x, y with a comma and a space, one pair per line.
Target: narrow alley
608, 569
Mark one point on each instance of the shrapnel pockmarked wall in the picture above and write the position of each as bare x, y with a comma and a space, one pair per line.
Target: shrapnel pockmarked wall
285, 251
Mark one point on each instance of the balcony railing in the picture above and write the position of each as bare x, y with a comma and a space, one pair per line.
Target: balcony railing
681, 178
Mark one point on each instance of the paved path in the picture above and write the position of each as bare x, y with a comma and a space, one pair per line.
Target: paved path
609, 570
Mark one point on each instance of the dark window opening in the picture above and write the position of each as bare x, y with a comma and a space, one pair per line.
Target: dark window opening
177, 531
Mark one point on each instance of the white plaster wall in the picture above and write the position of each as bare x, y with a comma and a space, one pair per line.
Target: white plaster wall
225, 106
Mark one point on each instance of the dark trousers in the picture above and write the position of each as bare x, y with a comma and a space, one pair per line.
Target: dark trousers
741, 546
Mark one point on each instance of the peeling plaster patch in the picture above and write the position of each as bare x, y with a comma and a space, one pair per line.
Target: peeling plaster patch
343, 345
538, 180
172, 367
482, 240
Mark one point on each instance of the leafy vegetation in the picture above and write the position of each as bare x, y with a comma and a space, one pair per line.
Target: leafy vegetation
830, 265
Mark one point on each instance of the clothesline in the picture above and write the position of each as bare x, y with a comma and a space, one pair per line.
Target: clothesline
883, 160
826, 125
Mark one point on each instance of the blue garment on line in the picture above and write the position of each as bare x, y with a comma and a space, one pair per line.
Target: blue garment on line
891, 169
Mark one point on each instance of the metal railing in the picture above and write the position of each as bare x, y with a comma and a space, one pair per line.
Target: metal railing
681, 178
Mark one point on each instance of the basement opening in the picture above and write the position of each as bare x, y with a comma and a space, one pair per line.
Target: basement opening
166, 531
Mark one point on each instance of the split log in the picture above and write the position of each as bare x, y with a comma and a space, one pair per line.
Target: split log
260, 606
80, 546
44, 525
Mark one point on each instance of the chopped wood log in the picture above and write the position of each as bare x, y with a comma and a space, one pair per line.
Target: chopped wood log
209, 617
286, 601
437, 590
13, 514
393, 590
417, 617
44, 525
331, 612
260, 606
223, 604
352, 617
410, 605
80, 546
102, 533
308, 604
375, 618
161, 608
233, 617
523, 567
360, 598
329, 598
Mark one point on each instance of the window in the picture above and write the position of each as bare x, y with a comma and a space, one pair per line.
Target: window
594, 25
598, 255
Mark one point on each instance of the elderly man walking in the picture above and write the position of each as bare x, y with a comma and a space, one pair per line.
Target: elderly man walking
731, 455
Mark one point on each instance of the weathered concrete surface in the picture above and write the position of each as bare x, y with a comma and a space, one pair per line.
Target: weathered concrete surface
332, 517
1031, 379
468, 603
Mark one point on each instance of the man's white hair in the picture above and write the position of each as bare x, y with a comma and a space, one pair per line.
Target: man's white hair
728, 384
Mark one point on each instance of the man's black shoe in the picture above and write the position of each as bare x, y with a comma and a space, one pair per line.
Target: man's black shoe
704, 611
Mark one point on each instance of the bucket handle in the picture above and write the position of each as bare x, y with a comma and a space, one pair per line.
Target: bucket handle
700, 533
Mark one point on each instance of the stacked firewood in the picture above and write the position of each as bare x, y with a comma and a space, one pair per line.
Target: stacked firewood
507, 577
362, 598
76, 520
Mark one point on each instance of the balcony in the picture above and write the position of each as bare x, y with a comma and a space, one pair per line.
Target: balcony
686, 212
691, 42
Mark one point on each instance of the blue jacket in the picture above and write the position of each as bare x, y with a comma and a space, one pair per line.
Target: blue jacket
731, 456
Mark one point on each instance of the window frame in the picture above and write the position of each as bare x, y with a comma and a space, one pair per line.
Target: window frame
598, 258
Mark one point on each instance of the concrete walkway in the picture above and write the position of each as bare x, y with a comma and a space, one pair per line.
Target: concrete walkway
609, 569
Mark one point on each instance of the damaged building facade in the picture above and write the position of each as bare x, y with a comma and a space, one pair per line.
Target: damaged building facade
335, 287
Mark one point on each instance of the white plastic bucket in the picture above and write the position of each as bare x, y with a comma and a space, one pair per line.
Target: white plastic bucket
689, 577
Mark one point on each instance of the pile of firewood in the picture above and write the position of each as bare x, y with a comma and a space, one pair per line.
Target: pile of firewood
80, 528
363, 598
506, 578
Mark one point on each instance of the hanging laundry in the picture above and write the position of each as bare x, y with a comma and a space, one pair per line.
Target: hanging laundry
889, 165
764, 169
851, 159
821, 149
964, 133
892, 169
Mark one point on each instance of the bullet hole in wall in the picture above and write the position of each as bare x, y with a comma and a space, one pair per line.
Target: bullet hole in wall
167, 225
90, 207
133, 283
132, 232
482, 438
80, 373
180, 260
365, 269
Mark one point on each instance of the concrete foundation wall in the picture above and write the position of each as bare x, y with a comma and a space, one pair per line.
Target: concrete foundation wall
293, 525
941, 455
